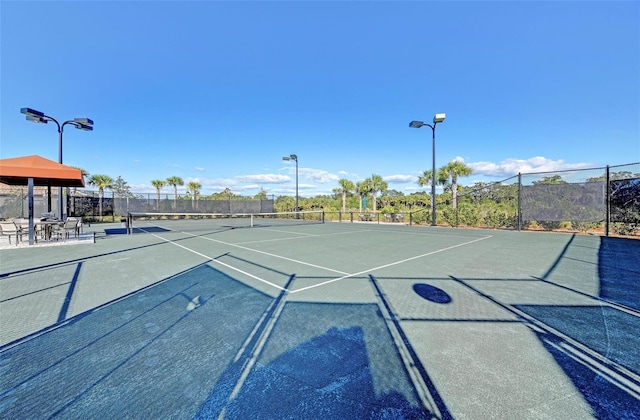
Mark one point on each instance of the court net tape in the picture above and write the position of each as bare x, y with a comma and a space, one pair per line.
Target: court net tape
138, 221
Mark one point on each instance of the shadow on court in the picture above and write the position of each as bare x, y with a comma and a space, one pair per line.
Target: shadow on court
330, 375
200, 344
619, 271
597, 345
203, 344
606, 332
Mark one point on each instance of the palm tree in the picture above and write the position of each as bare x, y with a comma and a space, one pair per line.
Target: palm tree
174, 181
158, 184
346, 188
377, 184
194, 190
426, 178
102, 182
451, 171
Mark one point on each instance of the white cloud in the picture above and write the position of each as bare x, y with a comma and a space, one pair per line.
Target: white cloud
319, 175
200, 169
248, 187
400, 179
264, 178
142, 188
512, 166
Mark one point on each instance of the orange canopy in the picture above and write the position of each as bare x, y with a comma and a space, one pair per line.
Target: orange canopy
17, 171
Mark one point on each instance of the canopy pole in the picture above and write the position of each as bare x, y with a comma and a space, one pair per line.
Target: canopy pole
30, 187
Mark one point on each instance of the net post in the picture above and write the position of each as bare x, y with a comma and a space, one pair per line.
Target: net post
322, 216
251, 216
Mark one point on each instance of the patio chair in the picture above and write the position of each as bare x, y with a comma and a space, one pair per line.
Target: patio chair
10, 229
23, 225
63, 229
78, 225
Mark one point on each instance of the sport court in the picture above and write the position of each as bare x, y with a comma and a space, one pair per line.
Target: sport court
191, 319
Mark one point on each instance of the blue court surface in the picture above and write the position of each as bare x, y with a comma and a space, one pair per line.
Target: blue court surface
323, 320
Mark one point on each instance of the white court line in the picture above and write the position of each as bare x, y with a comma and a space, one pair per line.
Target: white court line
305, 237
288, 232
408, 230
266, 253
216, 261
390, 264
345, 276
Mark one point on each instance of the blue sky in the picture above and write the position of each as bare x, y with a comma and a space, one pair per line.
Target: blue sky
219, 92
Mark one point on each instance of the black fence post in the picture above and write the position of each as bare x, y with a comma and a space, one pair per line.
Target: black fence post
607, 205
519, 214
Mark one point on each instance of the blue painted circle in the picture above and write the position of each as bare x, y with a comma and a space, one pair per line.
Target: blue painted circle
431, 293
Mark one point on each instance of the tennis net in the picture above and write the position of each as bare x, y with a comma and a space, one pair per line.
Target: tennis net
148, 222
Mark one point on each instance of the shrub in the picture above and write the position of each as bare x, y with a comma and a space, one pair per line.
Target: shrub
468, 215
584, 226
419, 217
625, 228
549, 224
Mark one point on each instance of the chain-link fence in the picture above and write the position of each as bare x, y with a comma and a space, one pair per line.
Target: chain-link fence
598, 199
121, 206
89, 205
14, 202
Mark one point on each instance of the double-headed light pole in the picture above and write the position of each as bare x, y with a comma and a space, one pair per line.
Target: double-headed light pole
38, 117
438, 118
294, 157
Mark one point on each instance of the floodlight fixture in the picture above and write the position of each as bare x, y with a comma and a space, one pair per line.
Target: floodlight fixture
83, 121
84, 124
438, 118
294, 157
83, 127
31, 112
291, 157
36, 120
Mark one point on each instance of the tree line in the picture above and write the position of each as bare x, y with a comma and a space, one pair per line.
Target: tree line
374, 187
493, 205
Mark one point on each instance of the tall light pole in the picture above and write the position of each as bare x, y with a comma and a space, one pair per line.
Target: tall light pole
438, 118
38, 117
294, 157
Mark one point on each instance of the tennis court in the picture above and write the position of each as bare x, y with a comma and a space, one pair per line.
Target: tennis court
313, 319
